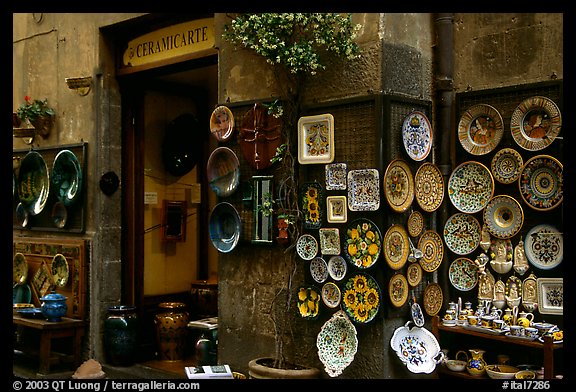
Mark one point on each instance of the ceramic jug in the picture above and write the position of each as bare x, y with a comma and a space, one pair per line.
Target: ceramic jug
476, 365
508, 316
525, 319
468, 308
496, 313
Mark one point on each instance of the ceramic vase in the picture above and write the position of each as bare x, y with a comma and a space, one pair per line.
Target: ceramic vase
121, 327
171, 330
476, 365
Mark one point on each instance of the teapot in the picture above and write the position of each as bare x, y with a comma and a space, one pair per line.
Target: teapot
525, 319
496, 313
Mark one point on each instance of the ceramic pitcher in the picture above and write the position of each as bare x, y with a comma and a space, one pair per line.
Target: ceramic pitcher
476, 364
525, 319
508, 316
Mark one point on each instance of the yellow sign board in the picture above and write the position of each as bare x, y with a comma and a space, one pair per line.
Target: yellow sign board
170, 42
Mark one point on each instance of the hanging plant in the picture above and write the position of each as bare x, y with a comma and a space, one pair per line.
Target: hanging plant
32, 110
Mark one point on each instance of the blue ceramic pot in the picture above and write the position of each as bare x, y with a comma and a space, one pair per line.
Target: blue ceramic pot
54, 306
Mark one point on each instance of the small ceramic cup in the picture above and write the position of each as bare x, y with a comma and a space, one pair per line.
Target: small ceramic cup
516, 330
473, 320
531, 332
499, 324
486, 321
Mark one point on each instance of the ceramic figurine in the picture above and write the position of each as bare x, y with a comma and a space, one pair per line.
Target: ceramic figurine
486, 286
520, 263
499, 294
485, 238
501, 259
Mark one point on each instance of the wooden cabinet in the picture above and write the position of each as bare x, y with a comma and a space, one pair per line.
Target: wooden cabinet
458, 338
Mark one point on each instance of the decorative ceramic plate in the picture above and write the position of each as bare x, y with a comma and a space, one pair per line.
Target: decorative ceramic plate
429, 187
396, 246
361, 298
331, 295
506, 165
316, 139
414, 274
463, 274
33, 183
550, 295
337, 267
222, 123
307, 247
66, 177
480, 129
541, 182
337, 209
19, 269
399, 185
319, 269
337, 343
223, 171
433, 298
462, 233
544, 246
398, 289
362, 243
312, 204
363, 190
503, 216
430, 243
224, 227
336, 176
417, 135
417, 348
329, 241
308, 302
415, 223
535, 123
60, 270
470, 187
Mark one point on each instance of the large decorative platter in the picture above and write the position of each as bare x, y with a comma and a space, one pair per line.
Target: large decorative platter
329, 241
480, 129
417, 348
33, 183
331, 295
503, 216
417, 135
535, 123
312, 204
362, 243
223, 171
224, 227
462, 233
361, 298
307, 246
506, 165
363, 190
463, 274
66, 177
60, 270
336, 176
398, 289
544, 246
337, 267
19, 269
396, 246
399, 185
308, 302
429, 187
316, 139
550, 295
433, 298
337, 343
541, 182
336, 208
415, 223
470, 187
222, 123
414, 274
432, 247
319, 269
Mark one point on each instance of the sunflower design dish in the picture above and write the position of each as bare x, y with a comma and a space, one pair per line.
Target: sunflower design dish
363, 243
308, 302
312, 204
361, 298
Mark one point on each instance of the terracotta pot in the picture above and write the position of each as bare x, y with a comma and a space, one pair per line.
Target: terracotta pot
171, 330
262, 368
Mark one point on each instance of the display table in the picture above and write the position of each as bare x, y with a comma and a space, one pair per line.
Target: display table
67, 328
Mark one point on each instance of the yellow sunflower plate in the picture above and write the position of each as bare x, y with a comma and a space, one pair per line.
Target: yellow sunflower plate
361, 298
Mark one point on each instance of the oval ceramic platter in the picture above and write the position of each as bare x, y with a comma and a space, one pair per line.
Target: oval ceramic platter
336, 176
429, 187
415, 223
60, 270
308, 302
66, 177
462, 233
222, 123
19, 269
535, 123
307, 246
337, 343
361, 298
396, 246
416, 347
33, 183
463, 274
223, 171
544, 246
503, 216
470, 187
362, 243
480, 129
331, 295
398, 289
417, 135
541, 183
433, 298
363, 190
337, 267
506, 165
432, 247
319, 269
399, 185
414, 274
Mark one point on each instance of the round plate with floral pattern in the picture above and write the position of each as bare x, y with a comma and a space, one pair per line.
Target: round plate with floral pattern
337, 343
417, 135
470, 187
398, 289
307, 246
361, 298
319, 269
396, 246
535, 123
430, 243
331, 295
480, 129
541, 182
415, 223
308, 302
363, 243
506, 165
433, 298
429, 187
462, 233
463, 274
544, 246
337, 267
414, 274
399, 185
503, 216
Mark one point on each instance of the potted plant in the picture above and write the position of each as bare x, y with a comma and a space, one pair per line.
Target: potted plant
35, 114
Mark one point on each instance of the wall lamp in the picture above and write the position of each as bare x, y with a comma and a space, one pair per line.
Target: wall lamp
81, 85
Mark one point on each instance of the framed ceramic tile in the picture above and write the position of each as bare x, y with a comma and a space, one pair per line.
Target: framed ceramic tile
329, 241
336, 176
336, 209
550, 295
316, 139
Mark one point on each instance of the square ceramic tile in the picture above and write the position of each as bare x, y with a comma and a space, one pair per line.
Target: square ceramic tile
329, 241
336, 209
